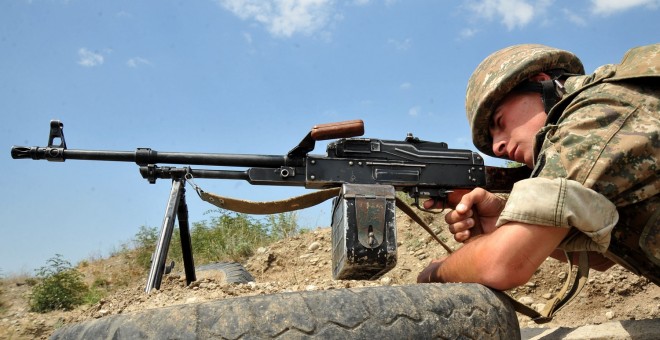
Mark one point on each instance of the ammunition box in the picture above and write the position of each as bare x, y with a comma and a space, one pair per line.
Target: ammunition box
363, 232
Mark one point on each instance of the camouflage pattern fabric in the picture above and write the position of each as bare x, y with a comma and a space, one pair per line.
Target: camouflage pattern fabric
605, 134
564, 203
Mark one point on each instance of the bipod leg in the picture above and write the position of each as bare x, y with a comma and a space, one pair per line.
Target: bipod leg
160, 254
186, 243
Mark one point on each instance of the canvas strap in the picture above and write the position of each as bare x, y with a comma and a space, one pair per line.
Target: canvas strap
572, 287
269, 207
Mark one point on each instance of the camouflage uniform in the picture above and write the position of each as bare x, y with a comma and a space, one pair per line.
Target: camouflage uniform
597, 164
605, 134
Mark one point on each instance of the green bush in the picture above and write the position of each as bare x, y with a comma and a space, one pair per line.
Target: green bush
145, 244
94, 295
60, 286
225, 236
283, 225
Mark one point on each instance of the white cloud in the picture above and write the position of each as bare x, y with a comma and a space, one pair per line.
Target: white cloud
467, 33
361, 2
247, 37
512, 13
607, 7
414, 111
405, 86
574, 18
88, 58
137, 62
283, 18
123, 14
400, 45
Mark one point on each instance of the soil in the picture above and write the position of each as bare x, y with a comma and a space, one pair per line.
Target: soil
303, 262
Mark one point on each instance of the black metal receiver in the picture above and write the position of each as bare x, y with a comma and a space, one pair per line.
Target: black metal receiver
419, 168
363, 167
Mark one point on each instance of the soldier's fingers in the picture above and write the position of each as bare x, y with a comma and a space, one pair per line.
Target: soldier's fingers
432, 204
454, 216
472, 199
461, 226
462, 236
454, 197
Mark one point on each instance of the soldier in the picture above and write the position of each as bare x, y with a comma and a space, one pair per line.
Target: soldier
593, 144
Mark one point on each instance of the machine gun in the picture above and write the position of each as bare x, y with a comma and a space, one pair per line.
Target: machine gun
362, 173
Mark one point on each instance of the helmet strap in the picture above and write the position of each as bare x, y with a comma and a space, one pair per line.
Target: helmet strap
551, 90
551, 93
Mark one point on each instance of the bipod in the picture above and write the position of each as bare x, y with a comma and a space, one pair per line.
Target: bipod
176, 207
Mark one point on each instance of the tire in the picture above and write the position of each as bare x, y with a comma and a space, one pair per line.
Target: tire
421, 311
229, 272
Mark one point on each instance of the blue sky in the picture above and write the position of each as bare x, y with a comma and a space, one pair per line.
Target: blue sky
234, 76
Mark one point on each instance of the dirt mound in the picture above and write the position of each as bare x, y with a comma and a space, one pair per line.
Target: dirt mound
303, 263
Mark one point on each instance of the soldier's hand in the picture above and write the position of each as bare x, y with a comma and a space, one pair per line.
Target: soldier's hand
462, 218
429, 274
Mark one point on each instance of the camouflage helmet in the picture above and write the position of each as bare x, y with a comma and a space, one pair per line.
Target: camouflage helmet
500, 73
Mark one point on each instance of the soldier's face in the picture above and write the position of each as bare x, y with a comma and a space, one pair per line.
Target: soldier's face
514, 125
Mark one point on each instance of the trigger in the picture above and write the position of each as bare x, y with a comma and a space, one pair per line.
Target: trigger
435, 200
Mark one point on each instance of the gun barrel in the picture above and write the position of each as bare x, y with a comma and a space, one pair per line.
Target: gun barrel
145, 156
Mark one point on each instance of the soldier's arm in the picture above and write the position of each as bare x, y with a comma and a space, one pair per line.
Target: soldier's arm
503, 259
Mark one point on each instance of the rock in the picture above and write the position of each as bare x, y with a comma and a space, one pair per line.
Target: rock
314, 246
526, 300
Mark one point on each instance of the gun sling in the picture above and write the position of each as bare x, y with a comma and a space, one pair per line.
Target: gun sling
270, 207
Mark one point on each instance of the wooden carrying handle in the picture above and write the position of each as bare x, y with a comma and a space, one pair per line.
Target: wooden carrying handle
346, 129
